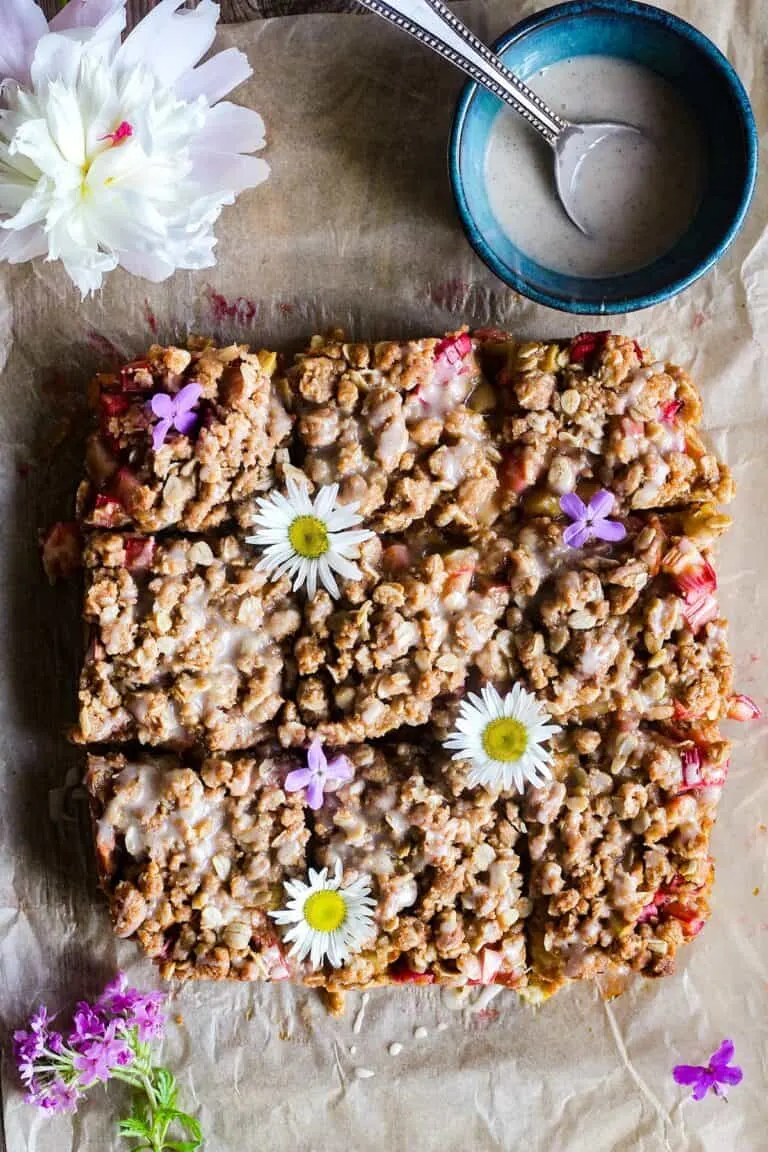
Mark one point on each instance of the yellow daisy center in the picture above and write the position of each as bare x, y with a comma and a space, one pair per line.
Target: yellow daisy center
505, 739
309, 537
325, 911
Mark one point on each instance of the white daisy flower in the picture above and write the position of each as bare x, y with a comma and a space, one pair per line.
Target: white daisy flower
330, 921
308, 540
503, 739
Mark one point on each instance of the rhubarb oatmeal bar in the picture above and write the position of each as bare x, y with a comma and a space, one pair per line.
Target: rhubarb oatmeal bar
399, 427
187, 642
428, 671
182, 436
598, 412
193, 859
618, 841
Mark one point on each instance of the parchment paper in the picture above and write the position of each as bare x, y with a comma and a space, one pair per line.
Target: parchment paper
356, 227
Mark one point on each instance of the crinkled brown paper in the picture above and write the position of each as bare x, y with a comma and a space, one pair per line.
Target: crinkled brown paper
356, 227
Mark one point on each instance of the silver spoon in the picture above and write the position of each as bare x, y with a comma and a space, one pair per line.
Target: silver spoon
437, 27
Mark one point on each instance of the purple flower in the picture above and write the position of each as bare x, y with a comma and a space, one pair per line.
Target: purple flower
27, 1046
590, 520
147, 1018
117, 997
319, 775
140, 1010
174, 412
717, 1075
97, 1057
55, 1097
87, 1024
40, 1020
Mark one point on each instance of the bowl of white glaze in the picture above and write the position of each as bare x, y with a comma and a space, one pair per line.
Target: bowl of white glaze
656, 228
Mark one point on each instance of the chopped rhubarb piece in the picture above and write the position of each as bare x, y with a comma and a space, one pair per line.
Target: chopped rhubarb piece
649, 912
113, 404
107, 512
631, 427
700, 611
676, 910
691, 760
454, 348
491, 335
139, 551
682, 713
400, 973
123, 485
277, 969
587, 344
513, 473
62, 548
670, 410
638, 350
743, 708
697, 581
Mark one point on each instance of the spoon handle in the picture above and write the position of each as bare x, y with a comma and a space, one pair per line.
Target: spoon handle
437, 27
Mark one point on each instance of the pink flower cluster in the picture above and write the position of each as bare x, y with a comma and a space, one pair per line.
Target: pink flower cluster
104, 1039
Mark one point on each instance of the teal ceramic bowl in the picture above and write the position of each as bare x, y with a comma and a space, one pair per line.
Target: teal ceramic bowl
709, 86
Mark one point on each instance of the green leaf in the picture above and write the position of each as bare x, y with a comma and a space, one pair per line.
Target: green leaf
133, 1126
183, 1145
165, 1087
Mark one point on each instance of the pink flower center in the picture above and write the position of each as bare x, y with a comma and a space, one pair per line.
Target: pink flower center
123, 131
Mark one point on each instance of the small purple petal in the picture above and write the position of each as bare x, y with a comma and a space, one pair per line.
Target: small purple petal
185, 422
688, 1073
576, 535
732, 1075
723, 1055
298, 779
316, 757
187, 397
705, 1083
601, 504
573, 506
159, 433
315, 794
608, 530
162, 406
340, 769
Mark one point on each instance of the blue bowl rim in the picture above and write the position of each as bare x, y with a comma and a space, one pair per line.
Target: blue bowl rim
653, 15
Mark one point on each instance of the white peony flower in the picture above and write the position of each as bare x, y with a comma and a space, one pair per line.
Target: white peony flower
119, 153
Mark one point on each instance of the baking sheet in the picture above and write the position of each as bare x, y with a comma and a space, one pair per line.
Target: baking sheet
356, 227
